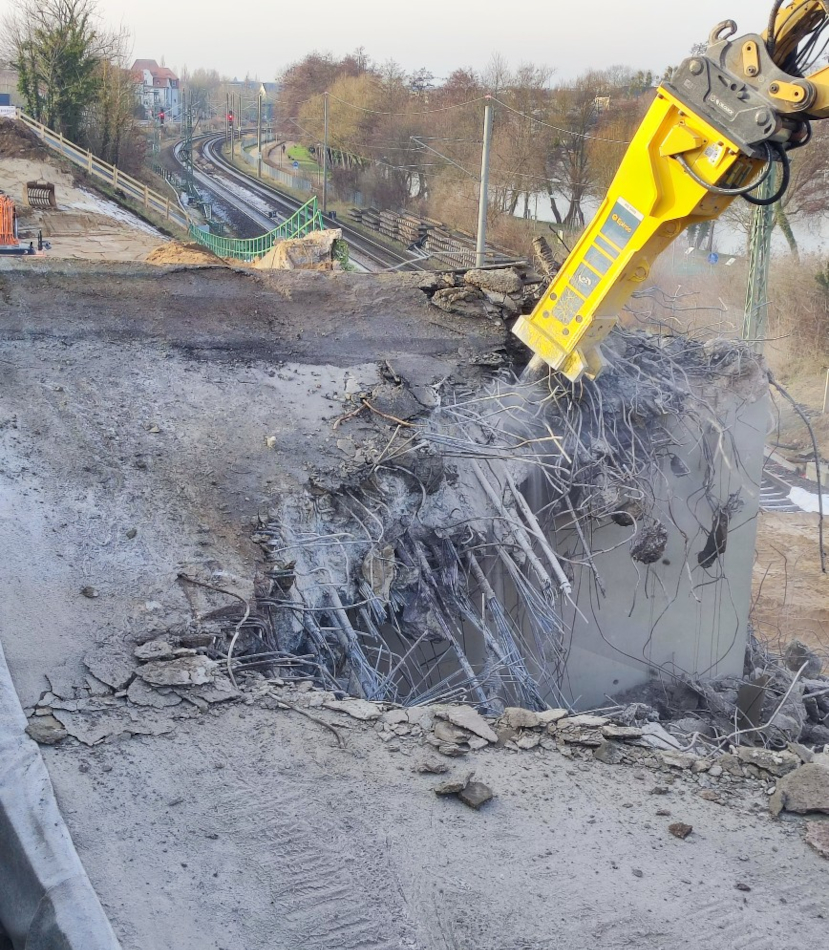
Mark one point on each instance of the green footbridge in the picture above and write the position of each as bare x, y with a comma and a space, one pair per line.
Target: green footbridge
308, 218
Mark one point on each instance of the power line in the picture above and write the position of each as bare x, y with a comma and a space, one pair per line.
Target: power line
458, 105
580, 135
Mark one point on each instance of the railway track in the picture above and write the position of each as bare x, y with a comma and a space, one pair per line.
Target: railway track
235, 188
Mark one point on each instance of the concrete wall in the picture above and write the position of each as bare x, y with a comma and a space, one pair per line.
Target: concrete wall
674, 615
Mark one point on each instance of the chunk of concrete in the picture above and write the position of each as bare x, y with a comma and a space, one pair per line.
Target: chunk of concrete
360, 709
517, 718
609, 752
46, 730
470, 719
797, 653
154, 650
476, 794
776, 763
111, 664
804, 790
142, 694
183, 671
502, 280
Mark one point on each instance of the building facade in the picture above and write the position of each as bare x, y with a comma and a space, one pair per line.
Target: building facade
157, 89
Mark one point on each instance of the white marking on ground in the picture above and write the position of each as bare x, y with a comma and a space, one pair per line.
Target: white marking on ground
806, 500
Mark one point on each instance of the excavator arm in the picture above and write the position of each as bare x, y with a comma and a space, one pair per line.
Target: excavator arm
712, 134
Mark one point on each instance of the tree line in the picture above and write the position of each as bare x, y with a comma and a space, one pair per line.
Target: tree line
73, 76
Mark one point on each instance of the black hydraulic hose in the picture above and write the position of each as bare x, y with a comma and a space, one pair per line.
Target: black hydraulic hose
771, 41
784, 183
729, 192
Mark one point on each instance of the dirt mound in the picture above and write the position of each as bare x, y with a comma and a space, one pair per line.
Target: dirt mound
790, 593
16, 141
174, 252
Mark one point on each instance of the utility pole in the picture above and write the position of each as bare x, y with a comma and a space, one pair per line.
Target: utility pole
259, 135
480, 244
325, 157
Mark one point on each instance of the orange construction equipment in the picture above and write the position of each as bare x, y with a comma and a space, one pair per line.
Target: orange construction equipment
7, 216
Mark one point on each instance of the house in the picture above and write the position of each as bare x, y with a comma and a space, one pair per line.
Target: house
156, 88
9, 95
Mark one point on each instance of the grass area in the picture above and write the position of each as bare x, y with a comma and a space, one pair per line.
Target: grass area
307, 162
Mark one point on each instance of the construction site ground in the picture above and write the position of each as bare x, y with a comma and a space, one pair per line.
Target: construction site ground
85, 225
148, 417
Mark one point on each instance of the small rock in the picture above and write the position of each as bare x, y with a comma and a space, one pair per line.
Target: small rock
802, 752
529, 740
611, 753
612, 731
185, 671
587, 721
710, 795
476, 794
663, 812
637, 873
476, 743
817, 837
715, 771
678, 760
90, 592
452, 749
470, 719
154, 650
446, 732
680, 830
797, 653
131, 533
742, 886
46, 730
803, 790
453, 785
432, 767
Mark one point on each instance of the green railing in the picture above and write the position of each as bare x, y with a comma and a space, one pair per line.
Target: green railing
307, 219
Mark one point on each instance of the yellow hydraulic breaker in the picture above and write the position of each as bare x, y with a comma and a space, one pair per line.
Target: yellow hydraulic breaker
659, 190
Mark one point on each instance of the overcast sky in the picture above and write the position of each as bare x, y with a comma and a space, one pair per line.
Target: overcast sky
260, 39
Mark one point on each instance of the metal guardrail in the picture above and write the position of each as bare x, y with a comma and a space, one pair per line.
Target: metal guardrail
308, 218
143, 194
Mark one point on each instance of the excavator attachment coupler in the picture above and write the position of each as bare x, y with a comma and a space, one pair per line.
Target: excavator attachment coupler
40, 194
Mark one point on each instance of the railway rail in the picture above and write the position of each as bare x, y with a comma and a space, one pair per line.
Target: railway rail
365, 253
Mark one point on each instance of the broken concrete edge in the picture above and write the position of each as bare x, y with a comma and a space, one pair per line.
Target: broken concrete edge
46, 898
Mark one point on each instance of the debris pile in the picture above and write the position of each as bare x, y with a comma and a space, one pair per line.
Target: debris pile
174, 252
492, 294
162, 683
401, 581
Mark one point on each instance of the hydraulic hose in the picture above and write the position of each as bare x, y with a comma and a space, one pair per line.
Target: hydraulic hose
745, 192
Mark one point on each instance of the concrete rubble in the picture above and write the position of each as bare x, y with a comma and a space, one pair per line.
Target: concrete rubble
163, 691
